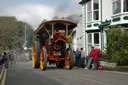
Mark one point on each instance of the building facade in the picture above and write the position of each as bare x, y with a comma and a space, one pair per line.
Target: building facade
98, 17
78, 38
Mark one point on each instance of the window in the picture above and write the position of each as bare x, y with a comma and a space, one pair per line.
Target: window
89, 38
89, 12
96, 38
89, 16
89, 48
96, 9
125, 5
89, 42
116, 6
93, 40
96, 4
89, 7
96, 15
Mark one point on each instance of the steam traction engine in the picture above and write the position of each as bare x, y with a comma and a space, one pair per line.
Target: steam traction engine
52, 43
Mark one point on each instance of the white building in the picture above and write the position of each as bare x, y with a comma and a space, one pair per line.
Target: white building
74, 41
98, 16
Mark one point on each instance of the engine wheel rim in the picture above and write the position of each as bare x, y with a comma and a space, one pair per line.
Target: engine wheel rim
33, 55
67, 60
41, 59
67, 63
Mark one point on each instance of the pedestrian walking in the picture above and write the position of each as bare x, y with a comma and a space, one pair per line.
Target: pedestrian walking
89, 58
5, 59
11, 59
77, 54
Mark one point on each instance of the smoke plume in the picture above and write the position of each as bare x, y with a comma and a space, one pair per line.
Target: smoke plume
65, 11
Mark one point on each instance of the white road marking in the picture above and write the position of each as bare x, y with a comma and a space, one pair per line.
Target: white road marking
2, 73
4, 77
116, 72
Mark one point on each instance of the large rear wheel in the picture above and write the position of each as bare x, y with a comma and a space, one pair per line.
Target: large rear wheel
43, 59
36, 54
69, 58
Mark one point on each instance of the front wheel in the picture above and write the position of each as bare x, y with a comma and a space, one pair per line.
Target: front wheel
43, 59
36, 54
69, 58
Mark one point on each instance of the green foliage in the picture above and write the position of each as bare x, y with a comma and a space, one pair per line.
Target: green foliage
7, 34
69, 38
117, 46
29, 32
12, 33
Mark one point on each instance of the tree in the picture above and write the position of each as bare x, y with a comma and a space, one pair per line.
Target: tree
117, 46
29, 35
12, 33
8, 32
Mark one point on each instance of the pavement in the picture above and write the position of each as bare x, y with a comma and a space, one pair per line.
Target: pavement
24, 74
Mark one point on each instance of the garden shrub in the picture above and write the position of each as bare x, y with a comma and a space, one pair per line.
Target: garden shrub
117, 46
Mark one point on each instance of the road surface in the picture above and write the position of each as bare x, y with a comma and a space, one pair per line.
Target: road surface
24, 74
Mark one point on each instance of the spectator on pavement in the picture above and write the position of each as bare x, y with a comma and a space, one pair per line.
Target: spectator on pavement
82, 58
89, 58
95, 58
77, 54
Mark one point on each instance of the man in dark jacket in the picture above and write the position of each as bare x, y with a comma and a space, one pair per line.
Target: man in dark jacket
77, 54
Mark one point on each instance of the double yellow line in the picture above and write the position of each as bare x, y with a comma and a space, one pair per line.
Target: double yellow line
3, 76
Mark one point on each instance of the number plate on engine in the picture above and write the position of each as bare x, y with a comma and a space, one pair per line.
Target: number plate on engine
57, 53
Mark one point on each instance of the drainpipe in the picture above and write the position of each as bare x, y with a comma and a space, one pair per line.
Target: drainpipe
84, 32
102, 35
83, 4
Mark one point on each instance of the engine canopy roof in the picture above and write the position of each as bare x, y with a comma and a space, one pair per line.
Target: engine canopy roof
58, 24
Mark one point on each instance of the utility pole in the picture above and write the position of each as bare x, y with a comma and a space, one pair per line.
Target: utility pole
25, 35
25, 43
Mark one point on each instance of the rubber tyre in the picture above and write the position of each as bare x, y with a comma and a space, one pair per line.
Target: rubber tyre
43, 59
36, 54
69, 63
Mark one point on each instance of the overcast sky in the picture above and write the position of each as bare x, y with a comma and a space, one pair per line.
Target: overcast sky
34, 11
